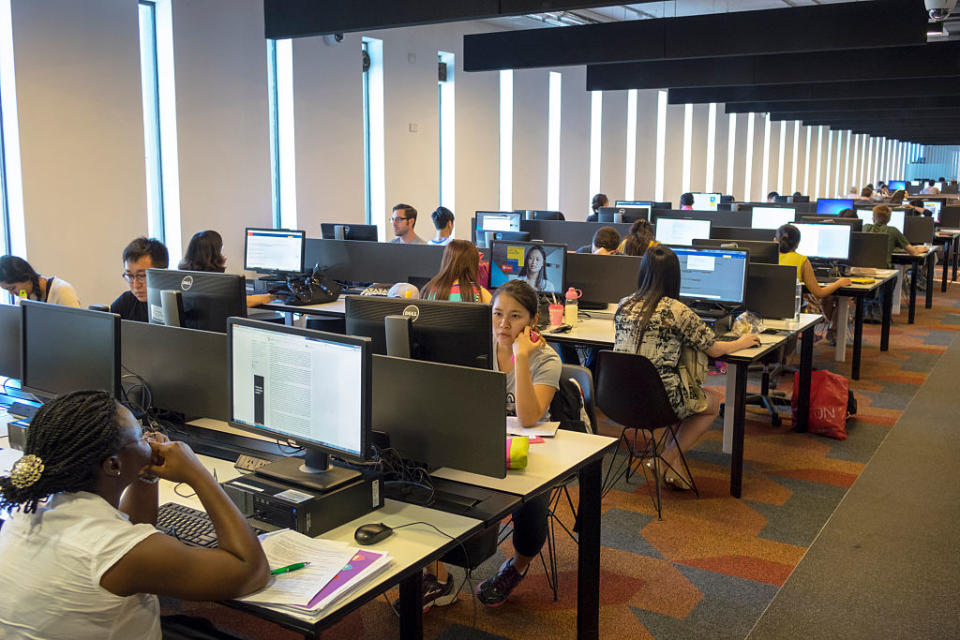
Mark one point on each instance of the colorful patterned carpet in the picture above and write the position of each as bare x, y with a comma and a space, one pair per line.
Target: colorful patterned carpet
712, 565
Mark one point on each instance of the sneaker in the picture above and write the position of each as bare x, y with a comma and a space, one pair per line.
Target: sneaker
493, 591
433, 590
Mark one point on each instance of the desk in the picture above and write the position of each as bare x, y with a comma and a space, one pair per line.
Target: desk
886, 278
549, 464
949, 240
915, 262
956, 248
599, 332
337, 308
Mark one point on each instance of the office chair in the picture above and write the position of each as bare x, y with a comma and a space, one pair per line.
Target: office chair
619, 376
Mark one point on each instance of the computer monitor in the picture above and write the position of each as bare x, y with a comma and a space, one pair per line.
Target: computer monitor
439, 330
833, 205
64, 349
608, 215
309, 387
495, 221
897, 217
10, 339
713, 275
602, 279
340, 231
540, 264
535, 214
197, 299
760, 252
897, 185
826, 241
273, 250
938, 185
706, 201
681, 231
934, 207
771, 217
917, 183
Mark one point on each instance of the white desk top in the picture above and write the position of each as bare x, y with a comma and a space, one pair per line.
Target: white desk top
547, 463
337, 307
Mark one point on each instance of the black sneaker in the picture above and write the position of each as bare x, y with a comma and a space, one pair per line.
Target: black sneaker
433, 590
493, 591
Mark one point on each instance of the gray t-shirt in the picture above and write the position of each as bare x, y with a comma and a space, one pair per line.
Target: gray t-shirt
545, 368
416, 240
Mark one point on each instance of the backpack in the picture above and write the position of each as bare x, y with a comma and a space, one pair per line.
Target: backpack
567, 407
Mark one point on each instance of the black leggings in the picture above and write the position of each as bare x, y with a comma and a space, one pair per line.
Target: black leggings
530, 526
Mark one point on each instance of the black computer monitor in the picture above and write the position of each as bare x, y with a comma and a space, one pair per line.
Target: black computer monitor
934, 207
760, 252
362, 232
825, 241
854, 223
10, 339
64, 349
712, 275
771, 217
309, 387
681, 231
608, 215
273, 250
602, 279
539, 263
833, 205
542, 215
205, 299
439, 330
706, 201
896, 185
495, 221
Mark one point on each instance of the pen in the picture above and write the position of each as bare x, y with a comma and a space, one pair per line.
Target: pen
289, 568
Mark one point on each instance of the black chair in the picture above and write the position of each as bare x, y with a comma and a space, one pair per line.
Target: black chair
620, 377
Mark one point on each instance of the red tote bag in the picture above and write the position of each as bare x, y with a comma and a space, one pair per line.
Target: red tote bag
829, 393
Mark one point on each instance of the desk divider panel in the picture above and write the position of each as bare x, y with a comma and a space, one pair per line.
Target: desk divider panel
603, 279
950, 217
771, 290
741, 233
918, 229
373, 261
573, 234
718, 218
10, 318
868, 250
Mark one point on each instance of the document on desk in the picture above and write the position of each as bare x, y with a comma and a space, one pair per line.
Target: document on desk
283, 548
543, 429
7, 459
363, 566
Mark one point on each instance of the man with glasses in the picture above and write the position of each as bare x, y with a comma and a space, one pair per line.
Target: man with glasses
403, 219
140, 255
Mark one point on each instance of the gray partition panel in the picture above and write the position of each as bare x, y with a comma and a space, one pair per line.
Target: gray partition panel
869, 250
10, 338
950, 217
602, 278
771, 290
373, 261
572, 234
741, 233
918, 229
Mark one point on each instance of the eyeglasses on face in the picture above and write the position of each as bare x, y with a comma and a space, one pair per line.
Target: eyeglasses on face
131, 277
398, 218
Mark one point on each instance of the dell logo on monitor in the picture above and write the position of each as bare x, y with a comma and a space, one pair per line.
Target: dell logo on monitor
412, 312
186, 283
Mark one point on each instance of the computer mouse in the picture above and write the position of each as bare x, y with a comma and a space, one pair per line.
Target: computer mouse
372, 533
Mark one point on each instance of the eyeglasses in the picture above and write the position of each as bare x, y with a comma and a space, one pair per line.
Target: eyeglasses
398, 219
130, 277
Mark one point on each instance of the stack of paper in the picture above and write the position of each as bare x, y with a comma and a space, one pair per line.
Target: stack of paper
543, 429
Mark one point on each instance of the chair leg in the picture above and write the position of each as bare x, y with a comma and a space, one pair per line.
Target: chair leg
683, 460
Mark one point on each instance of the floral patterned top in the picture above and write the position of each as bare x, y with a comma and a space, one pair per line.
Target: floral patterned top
672, 326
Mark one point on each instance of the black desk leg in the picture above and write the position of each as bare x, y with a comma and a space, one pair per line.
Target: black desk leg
857, 338
806, 368
411, 607
947, 252
914, 273
736, 463
956, 256
588, 560
889, 287
931, 259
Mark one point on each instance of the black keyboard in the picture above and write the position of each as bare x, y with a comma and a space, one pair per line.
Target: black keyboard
728, 337
189, 526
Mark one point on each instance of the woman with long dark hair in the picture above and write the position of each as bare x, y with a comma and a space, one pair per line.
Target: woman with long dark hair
20, 280
654, 323
458, 275
534, 270
638, 240
205, 253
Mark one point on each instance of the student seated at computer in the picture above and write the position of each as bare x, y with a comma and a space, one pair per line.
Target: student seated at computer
404, 219
916, 208
847, 213
897, 198
772, 196
883, 192
458, 277
930, 189
138, 256
638, 240
866, 195
205, 253
443, 221
20, 280
599, 200
853, 193
80, 554
606, 242
654, 323
895, 239
686, 201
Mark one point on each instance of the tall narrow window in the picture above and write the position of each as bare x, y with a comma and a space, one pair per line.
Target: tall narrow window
446, 110
151, 118
836, 169
782, 156
881, 157
806, 162
853, 163
661, 145
596, 137
846, 168
555, 87
829, 188
374, 183
765, 168
731, 150
630, 183
748, 168
506, 139
816, 190
711, 147
282, 142
794, 185
686, 158
365, 87
12, 227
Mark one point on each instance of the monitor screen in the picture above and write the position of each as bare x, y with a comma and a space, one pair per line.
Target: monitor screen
939, 186
706, 201
828, 241
633, 203
498, 221
681, 231
833, 205
541, 265
308, 386
917, 183
719, 275
207, 299
771, 217
896, 217
934, 207
64, 349
274, 250
897, 185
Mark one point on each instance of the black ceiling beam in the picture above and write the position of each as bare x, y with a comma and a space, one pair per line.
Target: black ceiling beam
806, 92
299, 18
737, 33
929, 125
873, 114
910, 102
941, 59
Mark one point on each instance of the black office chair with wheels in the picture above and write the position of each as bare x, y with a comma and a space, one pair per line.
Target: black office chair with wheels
619, 377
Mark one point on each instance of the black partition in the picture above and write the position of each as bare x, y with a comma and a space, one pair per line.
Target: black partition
800, 207
10, 316
741, 233
869, 250
918, 229
572, 234
357, 261
771, 290
721, 218
602, 279
950, 217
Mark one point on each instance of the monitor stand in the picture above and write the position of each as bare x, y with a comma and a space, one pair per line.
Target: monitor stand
313, 472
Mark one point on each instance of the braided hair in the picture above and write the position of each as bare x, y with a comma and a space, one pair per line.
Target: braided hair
71, 435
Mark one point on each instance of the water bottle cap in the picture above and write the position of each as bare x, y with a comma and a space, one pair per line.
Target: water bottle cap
573, 294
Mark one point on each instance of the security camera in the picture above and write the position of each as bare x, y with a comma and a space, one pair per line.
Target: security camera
332, 39
939, 10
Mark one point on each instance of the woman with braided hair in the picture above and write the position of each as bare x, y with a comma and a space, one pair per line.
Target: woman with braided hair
80, 555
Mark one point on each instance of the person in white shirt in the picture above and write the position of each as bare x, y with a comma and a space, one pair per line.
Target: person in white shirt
930, 189
21, 280
443, 221
80, 554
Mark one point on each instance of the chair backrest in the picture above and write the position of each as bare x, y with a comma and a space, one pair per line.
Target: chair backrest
585, 379
630, 391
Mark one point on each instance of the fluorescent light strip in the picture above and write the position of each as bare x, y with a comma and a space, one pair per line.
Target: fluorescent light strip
711, 147
630, 184
506, 139
748, 168
731, 150
661, 144
553, 141
796, 156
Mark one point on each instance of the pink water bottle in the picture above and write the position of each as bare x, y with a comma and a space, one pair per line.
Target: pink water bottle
571, 309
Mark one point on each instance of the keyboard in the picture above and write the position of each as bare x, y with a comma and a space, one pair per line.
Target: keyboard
189, 526
728, 337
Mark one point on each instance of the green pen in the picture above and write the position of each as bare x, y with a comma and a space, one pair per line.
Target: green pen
289, 568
